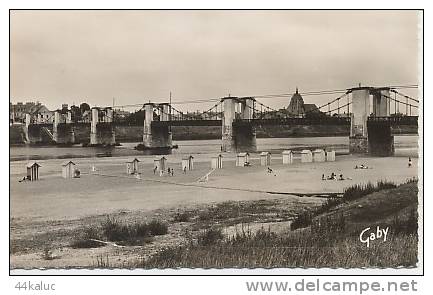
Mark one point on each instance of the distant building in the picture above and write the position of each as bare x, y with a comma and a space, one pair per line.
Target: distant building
86, 116
121, 114
311, 108
39, 112
297, 107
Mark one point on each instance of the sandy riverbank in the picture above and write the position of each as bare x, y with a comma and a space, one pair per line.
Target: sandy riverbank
56, 198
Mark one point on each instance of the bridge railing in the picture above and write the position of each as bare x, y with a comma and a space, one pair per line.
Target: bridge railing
295, 121
397, 120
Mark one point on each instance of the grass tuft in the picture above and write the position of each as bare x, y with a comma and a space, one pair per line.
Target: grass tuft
113, 230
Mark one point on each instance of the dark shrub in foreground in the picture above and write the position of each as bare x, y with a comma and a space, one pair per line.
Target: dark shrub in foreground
302, 220
210, 237
360, 190
113, 230
86, 239
182, 217
157, 228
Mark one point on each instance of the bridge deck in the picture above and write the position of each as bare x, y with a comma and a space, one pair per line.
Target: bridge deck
188, 123
393, 121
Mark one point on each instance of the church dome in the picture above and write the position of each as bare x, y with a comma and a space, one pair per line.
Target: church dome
296, 105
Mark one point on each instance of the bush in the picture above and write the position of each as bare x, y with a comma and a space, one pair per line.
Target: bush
85, 239
329, 203
358, 190
157, 228
210, 237
114, 231
182, 217
302, 220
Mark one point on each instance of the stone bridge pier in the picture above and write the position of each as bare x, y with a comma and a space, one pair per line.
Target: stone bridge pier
238, 137
101, 127
32, 131
156, 136
370, 137
63, 130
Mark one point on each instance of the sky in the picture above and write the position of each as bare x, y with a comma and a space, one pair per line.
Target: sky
139, 56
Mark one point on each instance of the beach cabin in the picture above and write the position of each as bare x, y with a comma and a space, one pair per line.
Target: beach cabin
33, 171
68, 170
132, 166
242, 159
265, 158
217, 162
319, 155
187, 163
159, 163
306, 156
287, 157
330, 156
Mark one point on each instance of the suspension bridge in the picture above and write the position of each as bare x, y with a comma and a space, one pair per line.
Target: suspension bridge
370, 112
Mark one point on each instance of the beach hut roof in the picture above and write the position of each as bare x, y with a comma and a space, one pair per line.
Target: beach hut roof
306, 151
67, 163
31, 164
318, 151
243, 154
133, 160
217, 156
187, 157
264, 153
160, 158
287, 152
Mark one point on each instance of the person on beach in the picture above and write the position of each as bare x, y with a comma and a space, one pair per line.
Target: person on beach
409, 164
270, 170
323, 177
169, 171
172, 172
23, 179
184, 170
341, 177
154, 170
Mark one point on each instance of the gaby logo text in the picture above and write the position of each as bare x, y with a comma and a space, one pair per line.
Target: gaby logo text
367, 235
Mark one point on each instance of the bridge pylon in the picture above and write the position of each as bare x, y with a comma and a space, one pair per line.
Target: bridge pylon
101, 127
234, 137
156, 137
63, 130
368, 138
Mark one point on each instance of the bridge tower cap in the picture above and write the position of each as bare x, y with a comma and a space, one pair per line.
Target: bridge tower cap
229, 97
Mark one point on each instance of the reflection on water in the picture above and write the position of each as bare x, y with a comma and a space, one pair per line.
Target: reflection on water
404, 146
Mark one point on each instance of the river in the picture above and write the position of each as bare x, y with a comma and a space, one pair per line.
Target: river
404, 146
